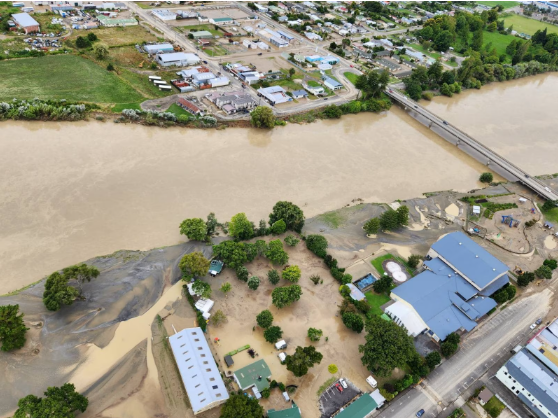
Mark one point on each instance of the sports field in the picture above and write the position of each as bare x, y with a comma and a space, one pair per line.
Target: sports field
528, 26
63, 77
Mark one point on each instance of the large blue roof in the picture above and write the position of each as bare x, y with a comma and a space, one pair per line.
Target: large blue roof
473, 261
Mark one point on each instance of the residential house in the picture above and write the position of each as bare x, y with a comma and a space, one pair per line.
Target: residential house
261, 8
198, 370
274, 94
313, 36
253, 376
452, 294
315, 90
332, 84
26, 22
194, 110
485, 396
300, 94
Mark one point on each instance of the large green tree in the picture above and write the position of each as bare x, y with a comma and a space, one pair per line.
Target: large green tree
292, 274
58, 292
240, 405
383, 284
353, 321
302, 360
290, 213
372, 226
275, 252
389, 220
264, 319
317, 244
286, 295
240, 227
195, 229
194, 265
12, 328
273, 333
262, 117
387, 346
81, 273
231, 253
372, 83
62, 402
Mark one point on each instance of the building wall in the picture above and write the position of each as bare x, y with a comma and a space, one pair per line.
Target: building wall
517, 388
31, 29
397, 298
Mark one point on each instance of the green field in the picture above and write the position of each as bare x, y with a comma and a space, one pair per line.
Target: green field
63, 77
528, 26
504, 4
377, 263
177, 110
499, 41
118, 108
375, 301
352, 77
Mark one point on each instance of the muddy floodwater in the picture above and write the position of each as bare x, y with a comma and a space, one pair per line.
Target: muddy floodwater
71, 191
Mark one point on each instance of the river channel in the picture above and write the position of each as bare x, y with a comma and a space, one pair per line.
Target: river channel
71, 191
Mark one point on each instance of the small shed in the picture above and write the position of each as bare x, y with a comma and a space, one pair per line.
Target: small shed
476, 210
548, 225
485, 396
229, 361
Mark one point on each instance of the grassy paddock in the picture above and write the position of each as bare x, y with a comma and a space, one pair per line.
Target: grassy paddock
528, 26
129, 35
504, 4
118, 108
63, 77
352, 77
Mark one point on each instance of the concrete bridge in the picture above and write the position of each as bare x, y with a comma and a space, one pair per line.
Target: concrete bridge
480, 152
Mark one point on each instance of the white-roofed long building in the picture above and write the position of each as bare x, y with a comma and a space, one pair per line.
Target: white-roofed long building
181, 59
200, 375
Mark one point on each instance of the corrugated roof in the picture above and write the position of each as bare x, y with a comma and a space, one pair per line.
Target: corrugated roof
359, 408
292, 412
466, 256
249, 376
24, 19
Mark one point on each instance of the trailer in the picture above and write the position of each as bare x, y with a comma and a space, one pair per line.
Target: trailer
165, 88
154, 77
159, 82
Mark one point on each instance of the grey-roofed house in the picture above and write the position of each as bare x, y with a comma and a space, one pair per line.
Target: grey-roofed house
332, 84
200, 375
452, 294
300, 94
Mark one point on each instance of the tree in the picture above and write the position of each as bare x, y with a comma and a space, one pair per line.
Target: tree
443, 41
273, 276
292, 72
226, 287
242, 274
387, 346
81, 273
403, 215
275, 252
286, 295
195, 229
315, 279
92, 37
317, 244
194, 265
549, 205
202, 289
372, 83
57, 292
477, 40
332, 368
550, 263
12, 328
353, 321
383, 284
240, 227
511, 291
372, 226
332, 112
110, 67
414, 260
82, 42
448, 348
544, 272
389, 220
292, 274
218, 318
315, 334
231, 253
302, 360
433, 359
239, 405
253, 282
525, 278
278, 227
273, 334
291, 240
446, 90
62, 402
290, 213
413, 88
101, 50
492, 27
262, 117
264, 319
500, 296
486, 178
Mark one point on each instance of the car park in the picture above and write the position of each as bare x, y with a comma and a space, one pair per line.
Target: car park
343, 383
339, 387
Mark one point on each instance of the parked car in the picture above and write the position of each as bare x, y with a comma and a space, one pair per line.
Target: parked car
533, 326
445, 123
261, 53
205, 62
343, 383
538, 321
339, 388
420, 413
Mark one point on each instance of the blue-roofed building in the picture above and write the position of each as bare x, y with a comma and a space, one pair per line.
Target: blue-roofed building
452, 293
531, 373
332, 84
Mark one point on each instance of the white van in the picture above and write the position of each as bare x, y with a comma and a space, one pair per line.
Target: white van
372, 382
280, 345
282, 356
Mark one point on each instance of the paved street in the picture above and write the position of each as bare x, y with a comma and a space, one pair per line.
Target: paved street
489, 343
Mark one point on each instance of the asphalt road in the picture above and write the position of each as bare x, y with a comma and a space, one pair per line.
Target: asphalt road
482, 348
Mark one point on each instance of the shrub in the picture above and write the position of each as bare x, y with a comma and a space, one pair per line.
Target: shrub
332, 368
226, 287
362, 305
525, 278
253, 282
264, 319
383, 284
552, 264
273, 334
265, 393
486, 178
414, 260
92, 37
273, 384
353, 321
315, 279
315, 334
433, 359
273, 276
317, 244
347, 306
292, 274
337, 274
278, 227
291, 241
275, 252
83, 42
544, 272
281, 386
346, 279
448, 348
345, 291
110, 67
242, 273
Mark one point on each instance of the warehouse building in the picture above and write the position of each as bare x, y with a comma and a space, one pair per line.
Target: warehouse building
158, 48
26, 22
180, 59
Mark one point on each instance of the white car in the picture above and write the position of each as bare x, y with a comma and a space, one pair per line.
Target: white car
533, 326
343, 383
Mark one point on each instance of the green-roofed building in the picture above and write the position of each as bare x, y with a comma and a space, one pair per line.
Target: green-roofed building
255, 374
202, 34
221, 20
292, 412
361, 408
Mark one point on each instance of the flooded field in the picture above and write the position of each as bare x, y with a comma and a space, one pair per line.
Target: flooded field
71, 191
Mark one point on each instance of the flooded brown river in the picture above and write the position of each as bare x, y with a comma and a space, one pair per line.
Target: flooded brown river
71, 191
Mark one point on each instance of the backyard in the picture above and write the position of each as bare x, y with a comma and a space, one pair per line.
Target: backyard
375, 301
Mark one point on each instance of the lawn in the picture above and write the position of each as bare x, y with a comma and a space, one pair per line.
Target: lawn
196, 28
63, 77
177, 110
420, 48
352, 77
551, 215
504, 4
117, 108
375, 301
377, 263
313, 83
499, 41
528, 26
494, 407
